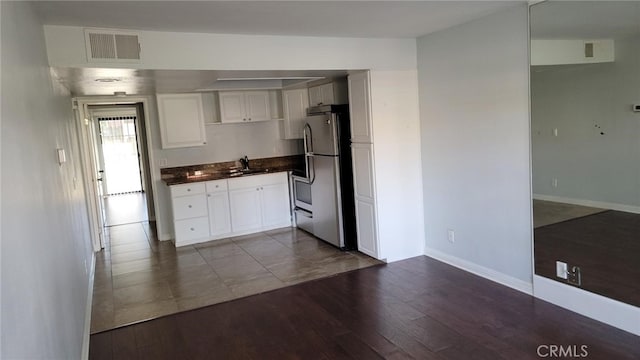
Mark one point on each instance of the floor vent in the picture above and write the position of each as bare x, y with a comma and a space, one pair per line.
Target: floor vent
112, 46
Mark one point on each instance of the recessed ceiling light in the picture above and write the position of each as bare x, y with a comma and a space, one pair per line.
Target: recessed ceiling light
107, 80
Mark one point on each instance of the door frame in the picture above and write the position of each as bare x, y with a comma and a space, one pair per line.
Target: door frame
80, 107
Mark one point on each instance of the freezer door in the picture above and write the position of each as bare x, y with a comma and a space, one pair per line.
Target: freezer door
327, 208
322, 135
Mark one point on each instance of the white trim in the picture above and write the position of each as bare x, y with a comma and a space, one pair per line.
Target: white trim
165, 237
87, 315
592, 203
609, 311
482, 271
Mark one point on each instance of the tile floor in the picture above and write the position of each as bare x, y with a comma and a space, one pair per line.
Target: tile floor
548, 212
139, 278
125, 208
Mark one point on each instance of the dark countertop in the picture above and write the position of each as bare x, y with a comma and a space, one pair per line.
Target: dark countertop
231, 169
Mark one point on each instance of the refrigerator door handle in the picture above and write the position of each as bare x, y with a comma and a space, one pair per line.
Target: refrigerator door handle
308, 152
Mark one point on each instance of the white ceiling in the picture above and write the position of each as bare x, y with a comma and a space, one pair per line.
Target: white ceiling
585, 19
390, 19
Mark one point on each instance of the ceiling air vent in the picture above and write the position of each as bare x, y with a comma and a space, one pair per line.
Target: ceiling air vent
112, 46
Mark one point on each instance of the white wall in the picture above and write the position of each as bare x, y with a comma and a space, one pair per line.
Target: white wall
473, 81
583, 101
46, 252
170, 50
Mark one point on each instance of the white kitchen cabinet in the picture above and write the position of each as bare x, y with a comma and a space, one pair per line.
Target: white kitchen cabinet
296, 102
221, 208
181, 120
364, 194
246, 212
259, 202
218, 206
190, 214
366, 228
275, 204
244, 106
360, 107
321, 95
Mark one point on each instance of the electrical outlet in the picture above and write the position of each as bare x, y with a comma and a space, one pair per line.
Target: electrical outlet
574, 276
451, 235
554, 182
561, 270
162, 162
555, 132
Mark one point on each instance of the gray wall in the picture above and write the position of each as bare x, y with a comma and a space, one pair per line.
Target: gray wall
473, 82
46, 252
583, 101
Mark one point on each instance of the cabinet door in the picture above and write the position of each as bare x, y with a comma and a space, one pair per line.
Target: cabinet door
327, 94
275, 205
245, 208
257, 105
364, 194
296, 103
232, 107
181, 120
360, 107
219, 216
366, 228
315, 96
363, 171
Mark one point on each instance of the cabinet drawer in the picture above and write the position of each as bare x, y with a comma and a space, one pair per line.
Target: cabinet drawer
191, 229
258, 180
216, 186
187, 189
185, 207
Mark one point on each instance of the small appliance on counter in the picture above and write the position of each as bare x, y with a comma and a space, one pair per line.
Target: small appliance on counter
323, 197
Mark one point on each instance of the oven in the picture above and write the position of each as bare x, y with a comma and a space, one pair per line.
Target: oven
302, 203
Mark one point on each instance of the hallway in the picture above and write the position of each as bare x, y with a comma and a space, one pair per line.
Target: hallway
125, 208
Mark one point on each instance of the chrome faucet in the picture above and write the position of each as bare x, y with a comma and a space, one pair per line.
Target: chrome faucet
245, 163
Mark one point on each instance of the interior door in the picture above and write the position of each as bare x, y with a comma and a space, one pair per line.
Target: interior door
97, 177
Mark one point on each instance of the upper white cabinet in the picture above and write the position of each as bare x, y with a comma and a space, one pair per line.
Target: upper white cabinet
244, 106
360, 107
327, 94
181, 120
295, 107
321, 95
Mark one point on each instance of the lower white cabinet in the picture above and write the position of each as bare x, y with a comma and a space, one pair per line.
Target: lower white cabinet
364, 196
219, 217
192, 230
245, 209
229, 207
259, 202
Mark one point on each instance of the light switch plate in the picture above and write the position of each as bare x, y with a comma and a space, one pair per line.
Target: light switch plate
561, 270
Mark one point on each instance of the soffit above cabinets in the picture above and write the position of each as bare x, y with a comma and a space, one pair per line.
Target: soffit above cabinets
106, 81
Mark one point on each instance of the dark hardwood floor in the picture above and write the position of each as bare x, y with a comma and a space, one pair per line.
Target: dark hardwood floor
606, 247
413, 309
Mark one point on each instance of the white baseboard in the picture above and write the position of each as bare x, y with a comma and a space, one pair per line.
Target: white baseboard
482, 271
590, 203
611, 312
87, 314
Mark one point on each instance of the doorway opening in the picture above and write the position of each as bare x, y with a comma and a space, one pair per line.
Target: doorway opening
119, 154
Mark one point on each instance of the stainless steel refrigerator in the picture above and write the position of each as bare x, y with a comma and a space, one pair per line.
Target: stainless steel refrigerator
328, 155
